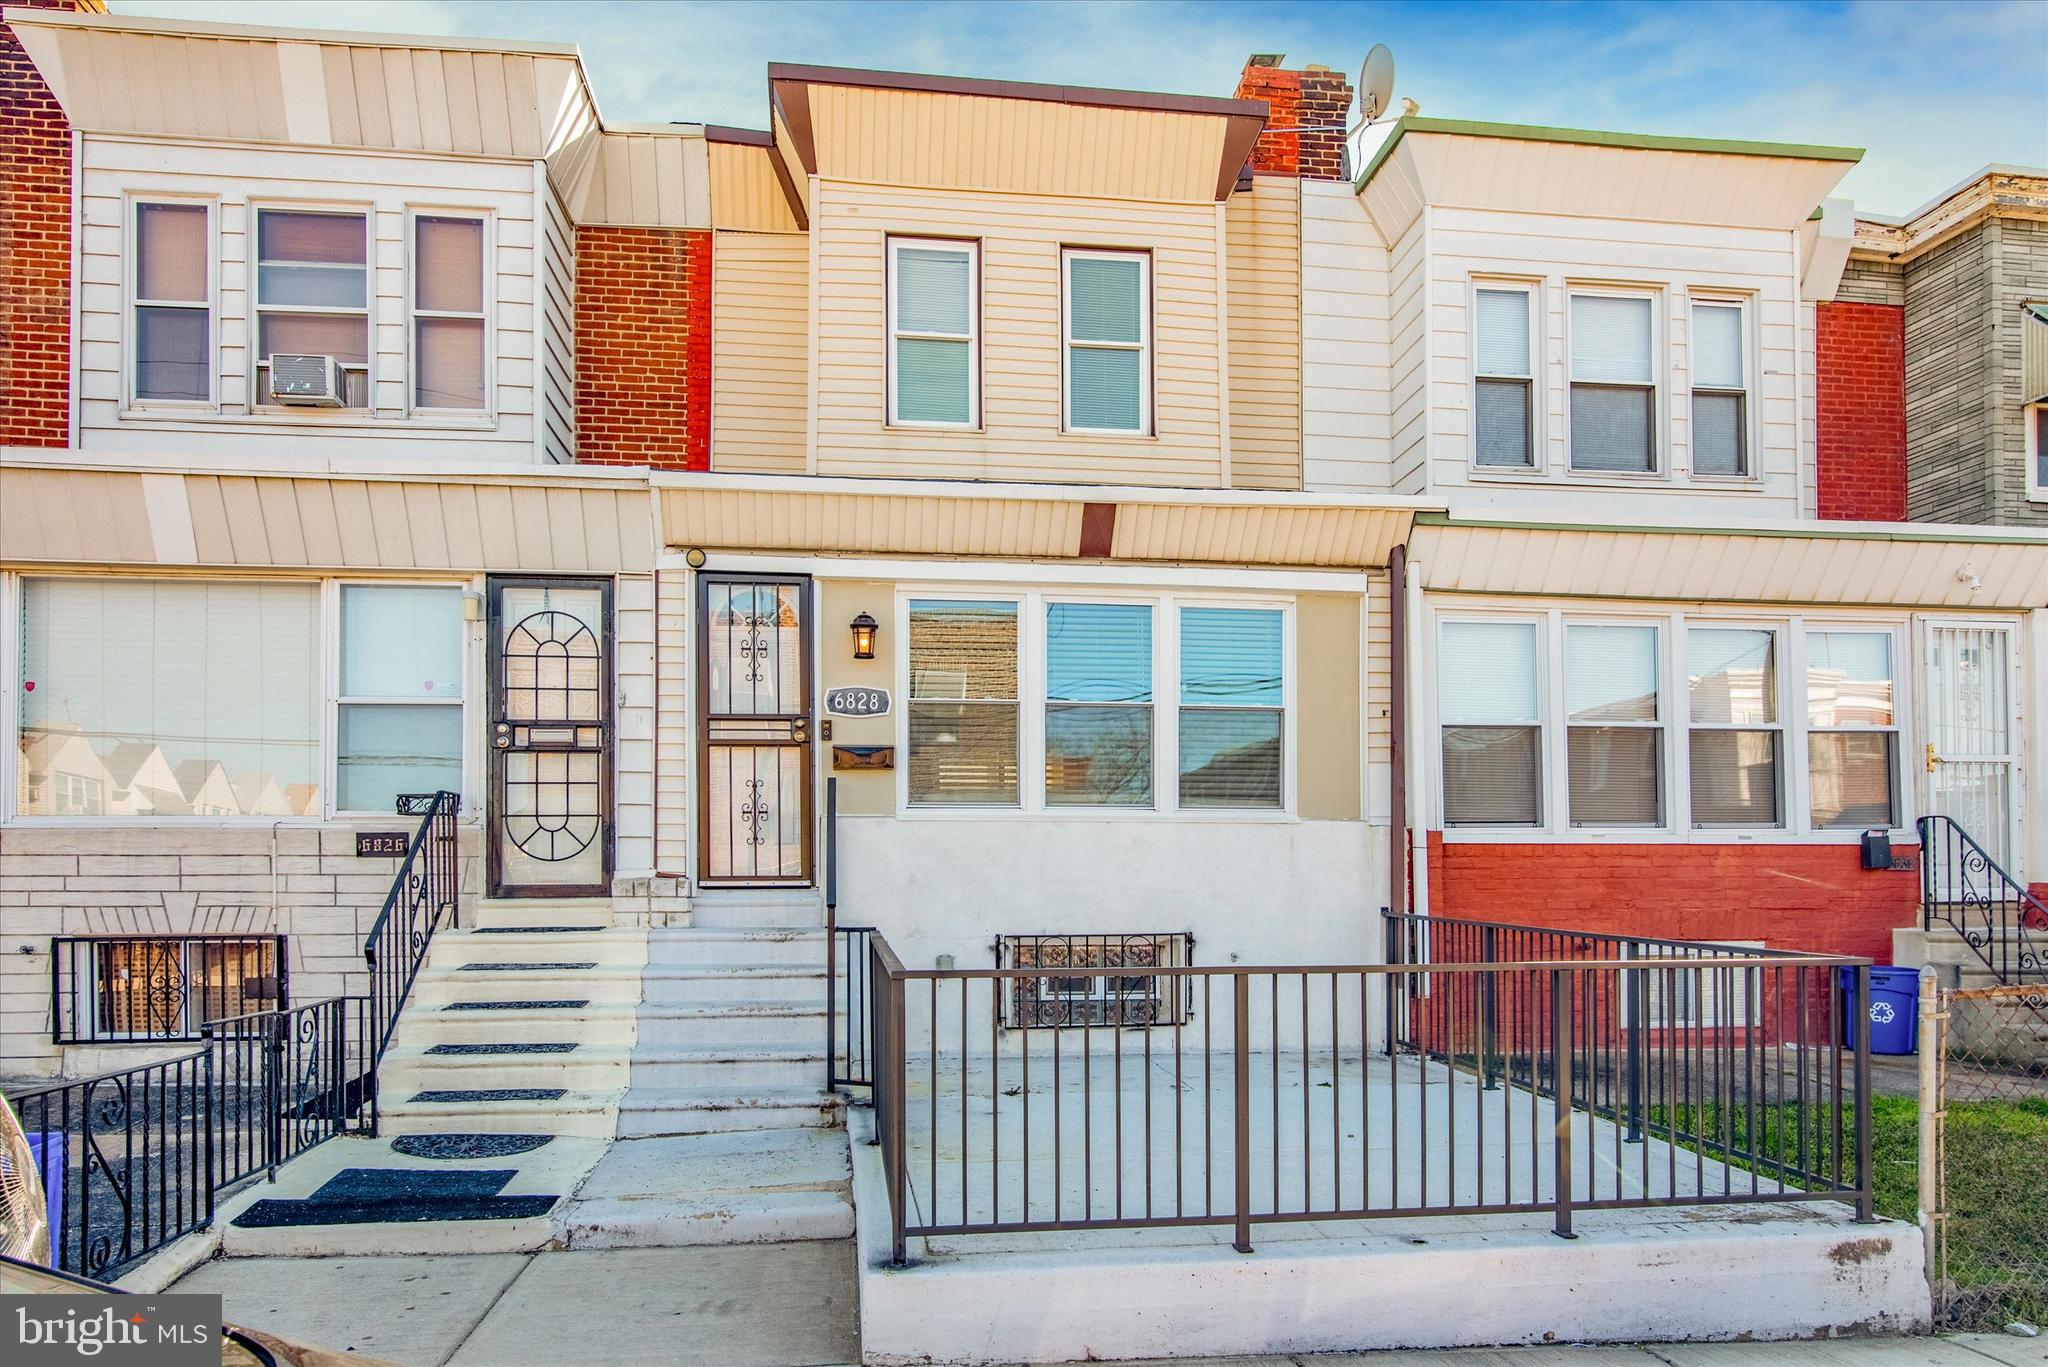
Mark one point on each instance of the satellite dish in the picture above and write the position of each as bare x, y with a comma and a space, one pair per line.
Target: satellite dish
1376, 82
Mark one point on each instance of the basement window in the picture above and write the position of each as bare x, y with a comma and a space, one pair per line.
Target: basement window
1096, 980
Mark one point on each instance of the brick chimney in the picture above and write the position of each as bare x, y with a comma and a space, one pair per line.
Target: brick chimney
1313, 98
35, 247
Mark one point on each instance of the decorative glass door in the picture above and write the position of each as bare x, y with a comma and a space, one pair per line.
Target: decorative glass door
1970, 734
754, 690
550, 737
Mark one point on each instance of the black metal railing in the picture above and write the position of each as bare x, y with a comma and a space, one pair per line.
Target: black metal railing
848, 1050
427, 887
1963, 888
287, 1080
1271, 1100
122, 989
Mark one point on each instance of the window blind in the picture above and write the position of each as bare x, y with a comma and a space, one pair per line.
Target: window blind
1503, 342
1716, 346
1610, 339
1610, 673
1098, 718
933, 327
1106, 336
1231, 693
1486, 676
171, 343
934, 289
963, 703
170, 252
448, 279
448, 264
1486, 672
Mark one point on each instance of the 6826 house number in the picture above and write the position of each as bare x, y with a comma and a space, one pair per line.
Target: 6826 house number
857, 702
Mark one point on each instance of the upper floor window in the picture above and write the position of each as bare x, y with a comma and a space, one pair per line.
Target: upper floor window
1613, 384
173, 295
1503, 379
1720, 398
1108, 340
448, 312
313, 294
934, 333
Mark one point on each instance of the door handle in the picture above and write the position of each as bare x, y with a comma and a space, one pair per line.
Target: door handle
1932, 758
799, 731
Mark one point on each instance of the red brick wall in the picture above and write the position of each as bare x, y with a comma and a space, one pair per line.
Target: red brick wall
35, 252
1860, 417
1808, 897
1312, 98
643, 347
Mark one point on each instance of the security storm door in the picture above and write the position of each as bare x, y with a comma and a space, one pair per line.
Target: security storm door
753, 701
1970, 733
551, 682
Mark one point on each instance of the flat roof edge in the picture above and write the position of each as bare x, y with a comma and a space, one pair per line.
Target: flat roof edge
135, 23
1215, 106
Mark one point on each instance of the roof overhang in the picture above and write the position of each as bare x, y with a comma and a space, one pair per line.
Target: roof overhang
1995, 192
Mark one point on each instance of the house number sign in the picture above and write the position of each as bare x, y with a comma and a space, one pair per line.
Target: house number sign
380, 844
857, 702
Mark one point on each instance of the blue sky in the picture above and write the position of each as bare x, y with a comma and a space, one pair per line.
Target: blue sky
1934, 90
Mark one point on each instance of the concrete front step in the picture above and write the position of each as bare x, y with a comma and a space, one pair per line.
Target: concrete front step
608, 983
736, 1067
645, 1111
587, 1025
584, 1068
797, 1021
763, 1186
677, 985
538, 911
750, 908
573, 1113
454, 949
695, 947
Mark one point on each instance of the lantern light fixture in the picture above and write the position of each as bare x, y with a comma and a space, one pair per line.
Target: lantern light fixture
864, 628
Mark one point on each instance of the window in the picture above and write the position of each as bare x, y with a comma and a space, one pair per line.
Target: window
1109, 341
1736, 739
934, 333
1098, 705
963, 703
122, 990
1492, 726
1699, 993
399, 713
172, 294
1232, 701
1503, 380
1720, 401
313, 293
1613, 385
1852, 730
2036, 420
1096, 980
448, 312
154, 698
1614, 743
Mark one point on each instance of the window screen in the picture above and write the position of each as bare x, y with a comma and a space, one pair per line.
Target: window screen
1613, 391
1502, 379
173, 314
1720, 437
1492, 731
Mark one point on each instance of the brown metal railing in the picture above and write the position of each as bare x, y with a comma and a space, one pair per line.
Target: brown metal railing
1274, 1097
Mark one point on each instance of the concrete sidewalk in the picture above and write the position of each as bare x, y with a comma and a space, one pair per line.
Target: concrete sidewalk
785, 1305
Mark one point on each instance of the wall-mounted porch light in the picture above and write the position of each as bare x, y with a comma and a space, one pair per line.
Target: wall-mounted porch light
864, 637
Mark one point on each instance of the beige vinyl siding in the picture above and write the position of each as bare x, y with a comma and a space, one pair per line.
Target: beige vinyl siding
1408, 361
1039, 147
649, 180
746, 194
236, 180
636, 676
1379, 696
1345, 401
1021, 237
74, 515
786, 145
555, 288
1262, 245
672, 722
760, 351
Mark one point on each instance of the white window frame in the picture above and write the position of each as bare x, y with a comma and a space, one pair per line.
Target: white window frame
2032, 416
259, 368
131, 288
1549, 687
1143, 256
1051, 598
1790, 792
332, 646
1746, 313
894, 335
413, 312
1895, 644
1532, 290
1659, 386
1031, 663
1659, 626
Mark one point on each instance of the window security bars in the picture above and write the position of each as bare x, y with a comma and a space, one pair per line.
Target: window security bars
1094, 980
121, 989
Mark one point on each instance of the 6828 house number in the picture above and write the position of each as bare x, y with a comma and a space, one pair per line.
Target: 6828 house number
857, 702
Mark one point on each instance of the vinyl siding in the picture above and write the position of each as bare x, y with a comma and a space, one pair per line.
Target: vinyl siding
672, 693
1379, 696
760, 351
1346, 404
746, 194
1021, 346
555, 289
1262, 244
1407, 369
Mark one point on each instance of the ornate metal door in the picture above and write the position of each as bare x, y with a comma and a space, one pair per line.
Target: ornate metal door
551, 682
754, 711
1971, 729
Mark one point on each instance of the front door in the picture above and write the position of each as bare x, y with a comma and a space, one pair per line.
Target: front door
754, 708
1970, 733
551, 711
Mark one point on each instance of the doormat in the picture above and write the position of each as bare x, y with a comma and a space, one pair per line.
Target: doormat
455, 1146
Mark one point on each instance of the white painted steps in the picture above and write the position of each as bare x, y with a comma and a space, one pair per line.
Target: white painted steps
757, 908
758, 1186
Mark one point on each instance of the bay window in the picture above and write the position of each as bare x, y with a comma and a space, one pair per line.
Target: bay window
1614, 742
1492, 724
1737, 738
1613, 384
1232, 707
1108, 312
934, 333
1720, 399
448, 312
313, 293
171, 290
398, 726
1852, 735
1098, 705
963, 703
1503, 405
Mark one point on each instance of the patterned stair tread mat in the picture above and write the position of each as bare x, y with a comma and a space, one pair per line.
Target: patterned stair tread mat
458, 1146
493, 1094
556, 1005
534, 930
548, 1048
273, 1214
522, 967
356, 1186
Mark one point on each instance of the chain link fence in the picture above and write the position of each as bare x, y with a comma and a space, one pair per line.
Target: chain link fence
1990, 1112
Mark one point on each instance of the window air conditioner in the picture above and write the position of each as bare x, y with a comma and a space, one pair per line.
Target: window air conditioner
306, 381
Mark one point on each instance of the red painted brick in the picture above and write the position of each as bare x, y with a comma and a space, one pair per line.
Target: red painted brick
1860, 411
1313, 99
643, 347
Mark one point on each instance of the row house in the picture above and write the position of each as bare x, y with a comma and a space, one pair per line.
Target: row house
1030, 511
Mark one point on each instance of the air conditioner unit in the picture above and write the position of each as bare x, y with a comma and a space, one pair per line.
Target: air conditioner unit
306, 381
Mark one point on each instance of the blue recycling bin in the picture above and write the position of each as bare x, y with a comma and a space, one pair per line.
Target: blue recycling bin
1894, 1008
47, 1149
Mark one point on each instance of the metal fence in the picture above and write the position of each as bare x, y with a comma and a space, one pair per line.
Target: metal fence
146, 989
1990, 1121
1543, 1085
